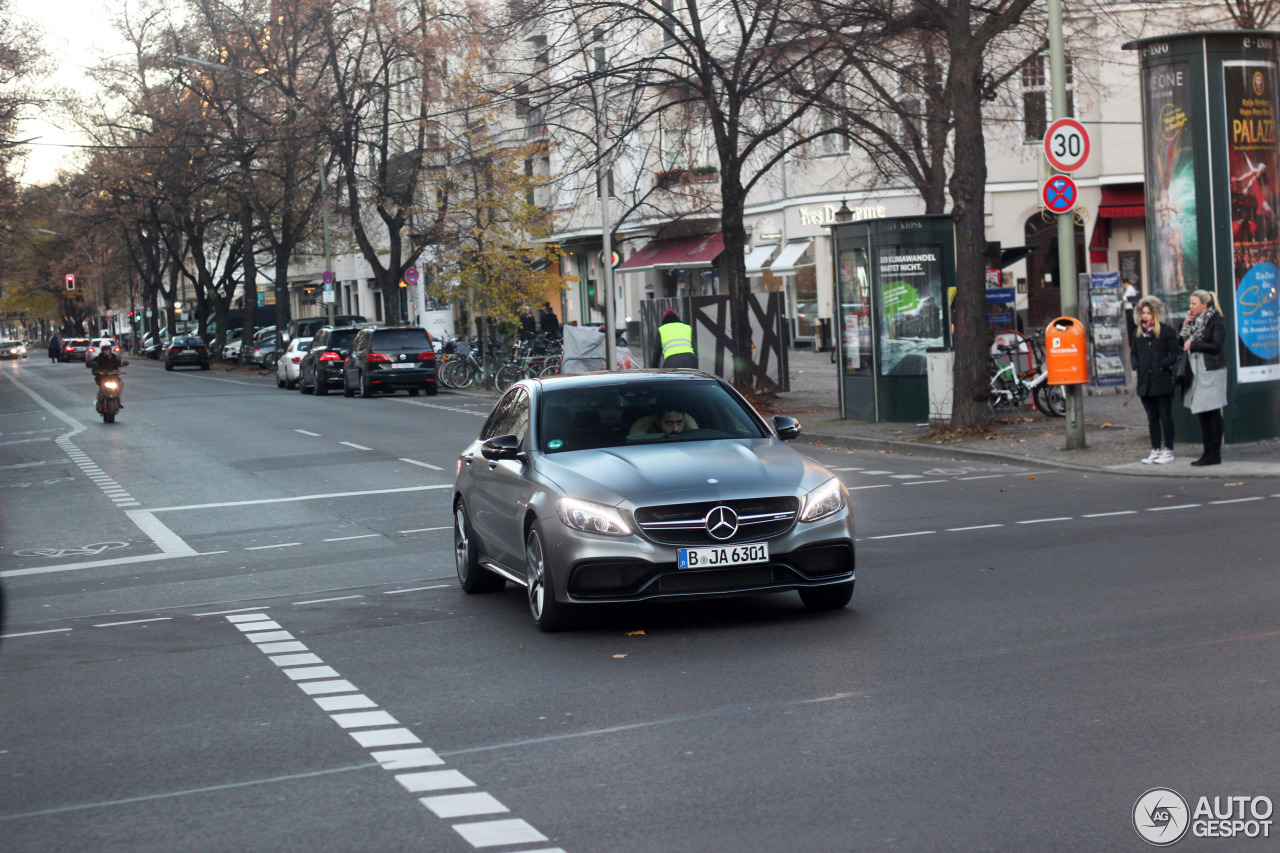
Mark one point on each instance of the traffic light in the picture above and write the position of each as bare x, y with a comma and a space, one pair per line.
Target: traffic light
71, 281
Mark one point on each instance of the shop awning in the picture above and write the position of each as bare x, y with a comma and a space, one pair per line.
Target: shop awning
791, 253
1121, 202
684, 253
759, 256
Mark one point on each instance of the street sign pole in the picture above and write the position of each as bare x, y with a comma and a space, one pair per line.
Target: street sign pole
1066, 226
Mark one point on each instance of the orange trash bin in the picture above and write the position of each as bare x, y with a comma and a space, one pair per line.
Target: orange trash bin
1066, 352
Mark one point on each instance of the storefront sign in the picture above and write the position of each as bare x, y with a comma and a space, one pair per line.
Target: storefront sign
826, 214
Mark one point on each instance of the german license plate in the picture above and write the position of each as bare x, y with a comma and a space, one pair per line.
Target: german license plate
728, 555
406, 365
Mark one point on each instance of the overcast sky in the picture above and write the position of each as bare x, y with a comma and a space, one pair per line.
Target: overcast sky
77, 33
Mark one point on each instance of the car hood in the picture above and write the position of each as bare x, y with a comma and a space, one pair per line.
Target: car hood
680, 471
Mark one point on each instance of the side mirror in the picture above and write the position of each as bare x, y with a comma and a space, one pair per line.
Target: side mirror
786, 427
502, 447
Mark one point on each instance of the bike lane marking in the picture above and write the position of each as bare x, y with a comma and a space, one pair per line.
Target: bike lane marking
375, 729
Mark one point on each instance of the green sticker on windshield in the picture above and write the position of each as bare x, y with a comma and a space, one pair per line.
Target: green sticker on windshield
555, 444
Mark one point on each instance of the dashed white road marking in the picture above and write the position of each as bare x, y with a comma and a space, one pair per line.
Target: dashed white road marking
356, 446
900, 535
1237, 500
423, 464
308, 432
1044, 520
374, 728
974, 527
923, 482
876, 486
417, 589
348, 538
905, 477
426, 529
323, 600
876, 472
237, 610
1109, 514
34, 633
265, 547
134, 622
1180, 506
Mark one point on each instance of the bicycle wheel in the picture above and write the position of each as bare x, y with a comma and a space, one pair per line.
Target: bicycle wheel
460, 373
508, 375
442, 373
551, 368
1051, 400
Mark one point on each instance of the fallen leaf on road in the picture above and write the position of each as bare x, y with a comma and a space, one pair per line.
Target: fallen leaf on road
1022, 441
635, 633
882, 451
1170, 496
1232, 484
1107, 425
1032, 477
619, 657
990, 437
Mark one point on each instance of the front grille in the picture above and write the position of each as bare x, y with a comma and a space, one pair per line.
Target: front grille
684, 524
722, 580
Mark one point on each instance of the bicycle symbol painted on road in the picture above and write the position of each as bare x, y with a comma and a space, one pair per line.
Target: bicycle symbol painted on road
83, 551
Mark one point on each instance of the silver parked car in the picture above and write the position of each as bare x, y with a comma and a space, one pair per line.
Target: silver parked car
612, 487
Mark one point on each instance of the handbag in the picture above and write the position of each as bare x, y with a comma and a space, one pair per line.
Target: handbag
1182, 371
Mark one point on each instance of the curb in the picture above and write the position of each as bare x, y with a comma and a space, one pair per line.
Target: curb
945, 451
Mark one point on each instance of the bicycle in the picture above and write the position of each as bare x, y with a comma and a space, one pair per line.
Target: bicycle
1010, 387
529, 358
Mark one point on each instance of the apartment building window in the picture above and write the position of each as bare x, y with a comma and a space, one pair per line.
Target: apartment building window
377, 305
597, 52
911, 102
1037, 96
670, 10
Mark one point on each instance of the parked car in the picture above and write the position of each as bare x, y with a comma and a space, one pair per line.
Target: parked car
186, 351
388, 360
264, 341
612, 487
73, 349
12, 349
97, 345
290, 361
321, 366
231, 347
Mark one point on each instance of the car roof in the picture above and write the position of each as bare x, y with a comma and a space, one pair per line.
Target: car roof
598, 378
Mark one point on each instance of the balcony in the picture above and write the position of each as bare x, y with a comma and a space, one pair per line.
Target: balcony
678, 175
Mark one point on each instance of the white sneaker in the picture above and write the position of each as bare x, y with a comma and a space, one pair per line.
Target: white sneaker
1164, 457
1154, 456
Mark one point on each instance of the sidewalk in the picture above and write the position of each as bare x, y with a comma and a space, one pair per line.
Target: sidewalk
1115, 432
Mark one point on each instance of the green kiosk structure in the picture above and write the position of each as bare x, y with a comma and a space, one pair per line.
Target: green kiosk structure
1210, 102
893, 280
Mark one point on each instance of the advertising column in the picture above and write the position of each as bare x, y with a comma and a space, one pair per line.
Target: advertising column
1171, 184
1253, 164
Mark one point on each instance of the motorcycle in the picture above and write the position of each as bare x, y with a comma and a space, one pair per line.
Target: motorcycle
109, 396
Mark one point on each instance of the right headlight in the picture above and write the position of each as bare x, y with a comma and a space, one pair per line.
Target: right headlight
822, 501
592, 517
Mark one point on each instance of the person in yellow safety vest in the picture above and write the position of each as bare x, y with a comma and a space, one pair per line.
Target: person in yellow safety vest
675, 343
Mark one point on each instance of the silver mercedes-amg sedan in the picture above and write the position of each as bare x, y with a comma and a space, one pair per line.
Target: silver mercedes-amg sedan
612, 487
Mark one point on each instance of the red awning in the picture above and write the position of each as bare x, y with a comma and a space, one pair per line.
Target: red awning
684, 253
1120, 202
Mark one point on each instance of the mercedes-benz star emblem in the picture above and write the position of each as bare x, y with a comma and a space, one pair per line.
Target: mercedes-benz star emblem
402, 356
722, 523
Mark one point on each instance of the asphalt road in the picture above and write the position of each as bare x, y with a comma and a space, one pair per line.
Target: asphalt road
1028, 651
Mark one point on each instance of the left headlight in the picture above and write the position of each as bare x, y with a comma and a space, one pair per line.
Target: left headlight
592, 517
822, 501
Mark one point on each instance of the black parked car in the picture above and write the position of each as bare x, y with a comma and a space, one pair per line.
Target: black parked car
186, 351
321, 367
73, 349
388, 360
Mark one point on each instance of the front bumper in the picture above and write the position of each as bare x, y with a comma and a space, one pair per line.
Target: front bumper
592, 568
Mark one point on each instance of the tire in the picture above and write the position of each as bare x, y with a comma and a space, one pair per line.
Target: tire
1051, 400
291, 384
302, 385
441, 370
413, 392
280, 383
472, 577
109, 419
507, 376
204, 367
270, 360
831, 597
321, 385
366, 389
433, 389
548, 614
452, 373
168, 366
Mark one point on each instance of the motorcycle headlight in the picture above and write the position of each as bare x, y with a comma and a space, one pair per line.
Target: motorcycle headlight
822, 501
112, 385
592, 517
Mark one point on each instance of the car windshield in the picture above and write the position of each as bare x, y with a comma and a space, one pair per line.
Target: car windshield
188, 342
406, 339
632, 413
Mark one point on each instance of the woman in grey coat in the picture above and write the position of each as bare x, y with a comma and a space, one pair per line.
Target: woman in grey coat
1203, 335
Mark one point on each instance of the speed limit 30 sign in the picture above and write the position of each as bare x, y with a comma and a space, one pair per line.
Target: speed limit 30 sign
1066, 145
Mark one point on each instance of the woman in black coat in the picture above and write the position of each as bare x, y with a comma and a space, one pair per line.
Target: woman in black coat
1154, 353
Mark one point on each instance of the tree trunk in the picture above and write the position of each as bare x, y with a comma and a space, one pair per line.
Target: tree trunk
733, 269
968, 185
250, 268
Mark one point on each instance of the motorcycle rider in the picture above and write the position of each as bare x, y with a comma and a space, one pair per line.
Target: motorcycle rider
105, 363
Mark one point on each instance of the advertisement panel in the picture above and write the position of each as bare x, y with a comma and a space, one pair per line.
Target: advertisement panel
909, 280
1253, 171
1171, 183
